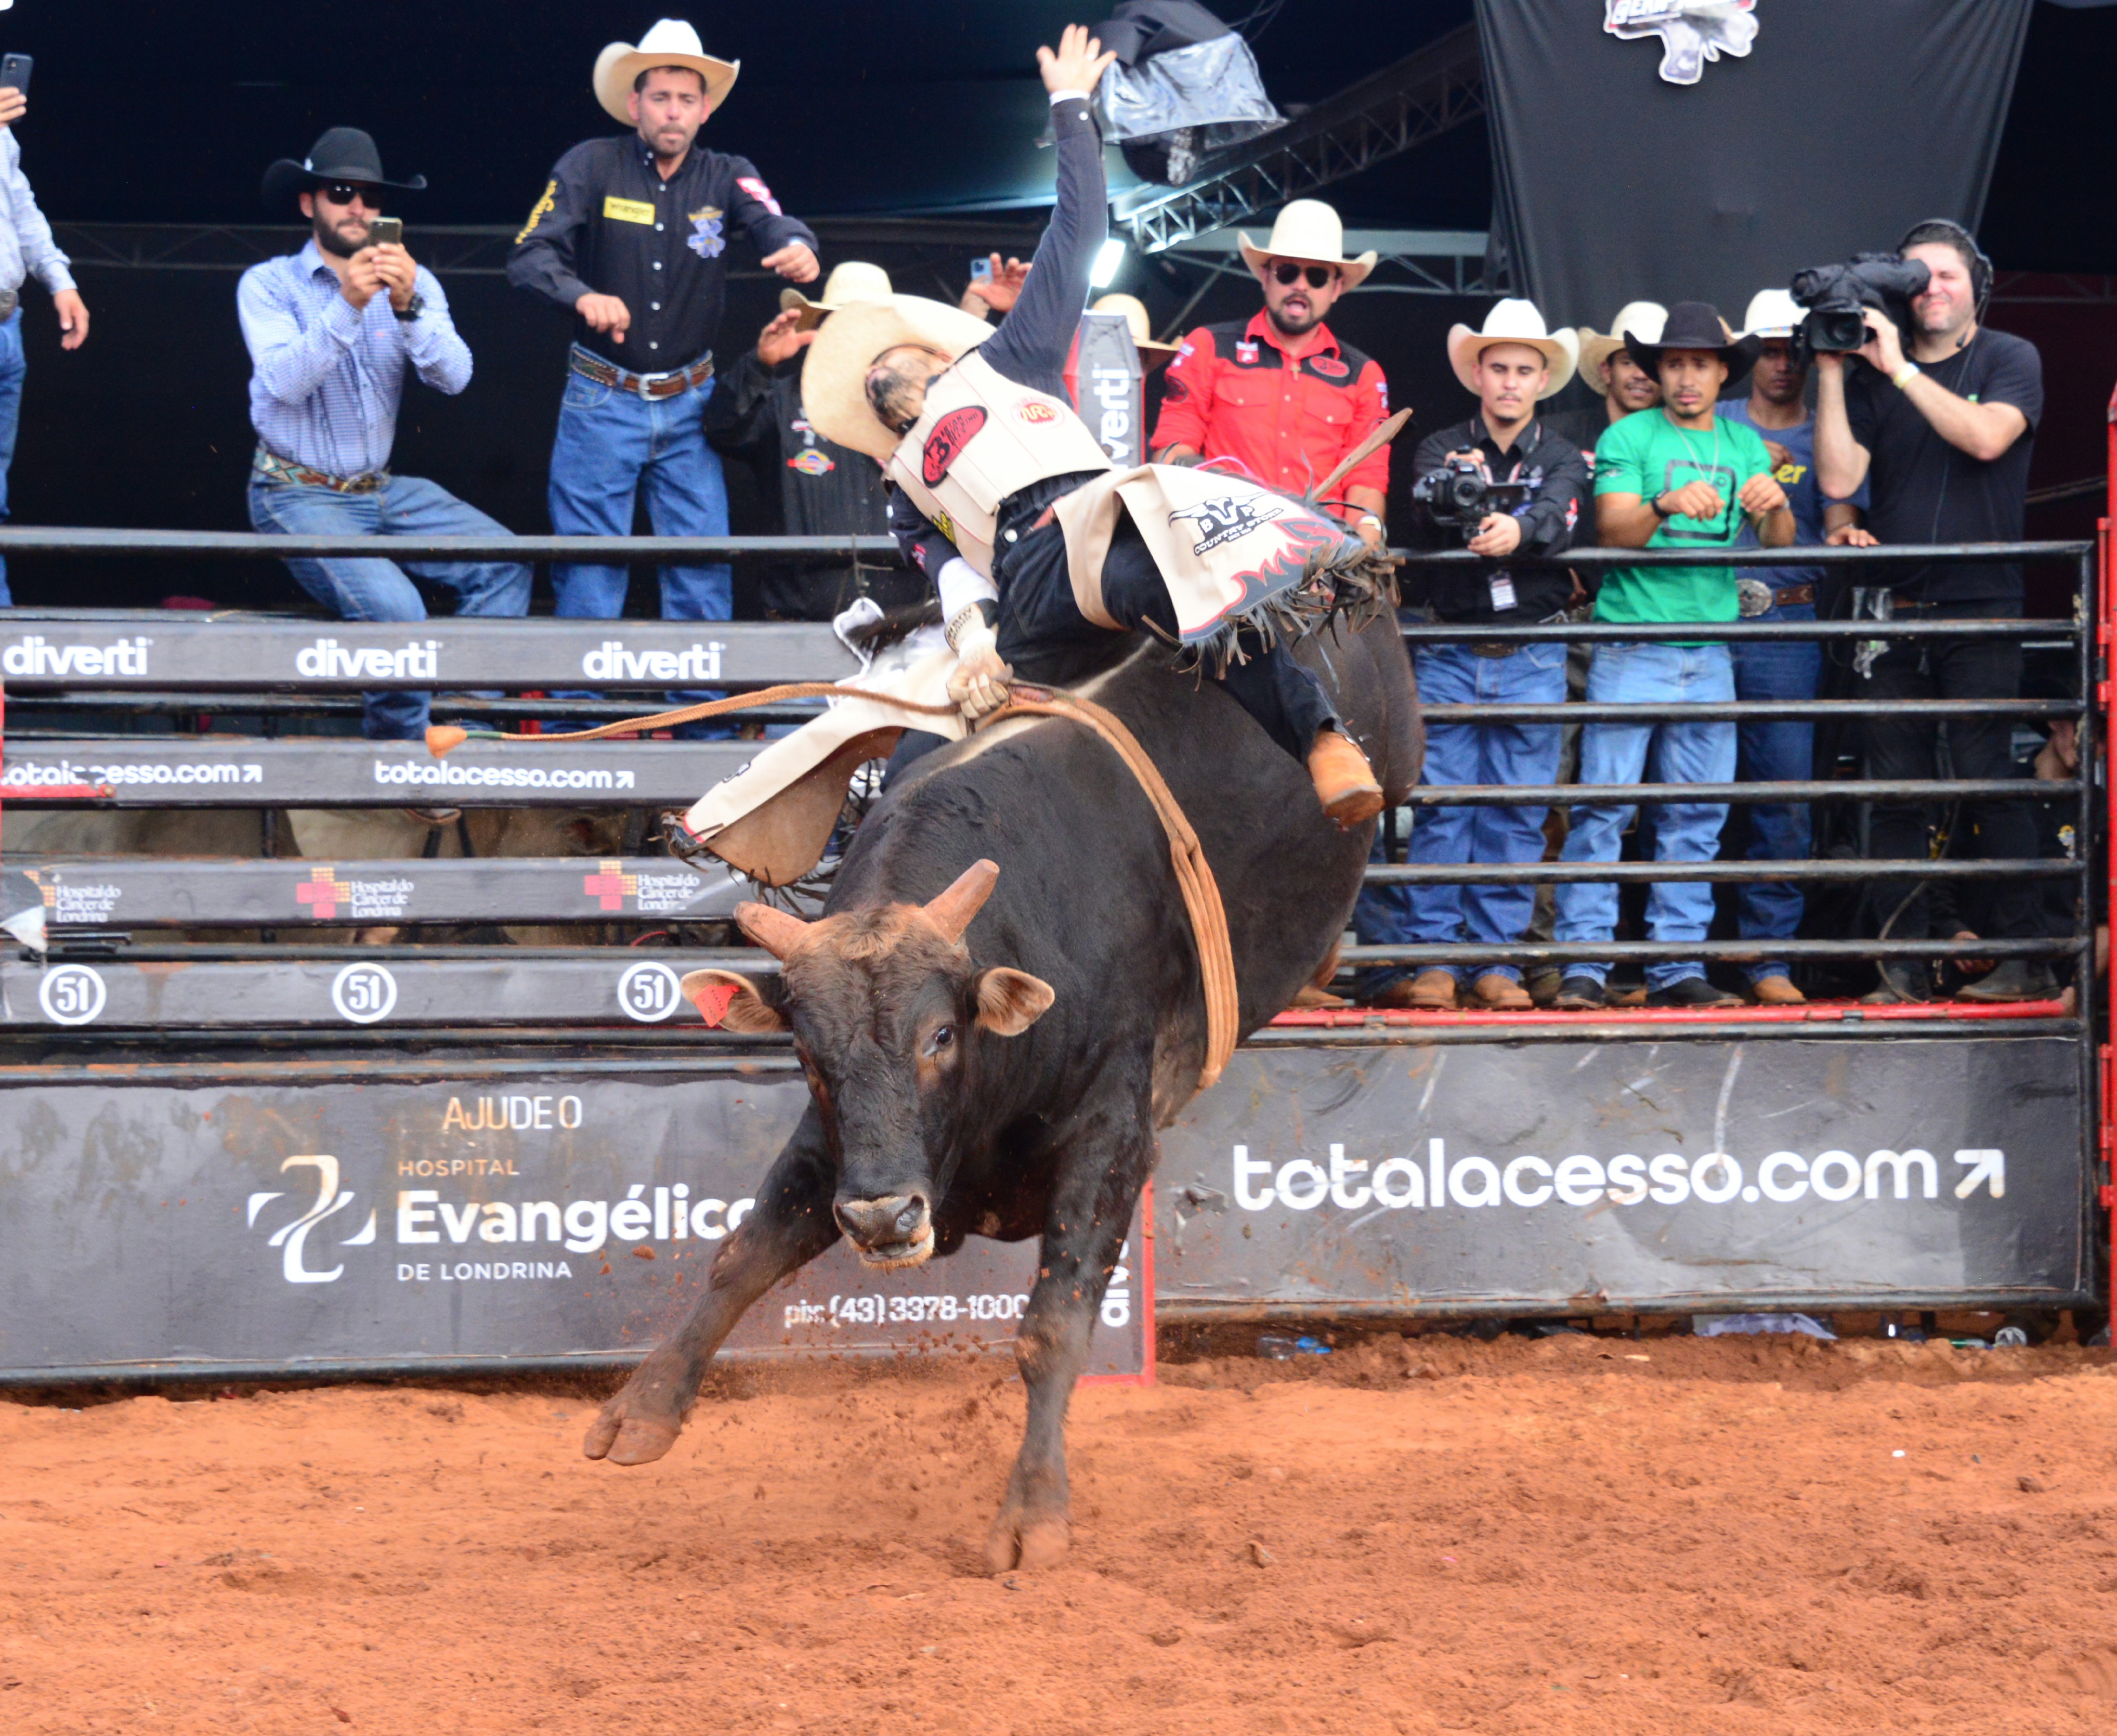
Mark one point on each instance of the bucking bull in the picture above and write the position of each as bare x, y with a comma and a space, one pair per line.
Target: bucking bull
1001, 1004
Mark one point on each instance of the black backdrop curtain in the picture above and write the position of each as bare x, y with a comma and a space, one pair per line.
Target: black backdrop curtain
1848, 121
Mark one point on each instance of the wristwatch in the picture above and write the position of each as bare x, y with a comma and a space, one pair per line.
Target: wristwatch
1661, 511
411, 310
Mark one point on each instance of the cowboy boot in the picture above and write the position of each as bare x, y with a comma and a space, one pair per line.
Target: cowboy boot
1344, 782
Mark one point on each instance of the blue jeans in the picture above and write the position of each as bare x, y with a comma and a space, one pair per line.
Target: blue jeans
11, 370
376, 589
1659, 753
610, 444
1776, 753
1472, 753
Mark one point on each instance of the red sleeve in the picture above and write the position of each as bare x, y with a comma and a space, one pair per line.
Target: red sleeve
1370, 408
1187, 395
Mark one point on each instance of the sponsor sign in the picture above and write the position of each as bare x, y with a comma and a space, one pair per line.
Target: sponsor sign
1692, 31
356, 657
1610, 1175
1108, 389
144, 893
480, 1215
208, 771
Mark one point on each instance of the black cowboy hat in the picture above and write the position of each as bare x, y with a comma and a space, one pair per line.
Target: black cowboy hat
1696, 325
342, 154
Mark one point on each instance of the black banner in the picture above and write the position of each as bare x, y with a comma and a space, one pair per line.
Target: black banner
1841, 127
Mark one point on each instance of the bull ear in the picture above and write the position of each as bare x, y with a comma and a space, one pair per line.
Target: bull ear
952, 912
1009, 1002
779, 932
730, 1000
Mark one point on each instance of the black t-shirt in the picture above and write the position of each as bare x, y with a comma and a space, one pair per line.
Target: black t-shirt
1924, 490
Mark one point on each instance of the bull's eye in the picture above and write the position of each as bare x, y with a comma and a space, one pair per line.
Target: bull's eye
943, 1037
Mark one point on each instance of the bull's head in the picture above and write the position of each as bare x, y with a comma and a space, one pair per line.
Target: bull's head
889, 1015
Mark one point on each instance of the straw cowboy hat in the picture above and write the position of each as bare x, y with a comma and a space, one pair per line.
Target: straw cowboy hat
671, 43
1773, 313
834, 378
1134, 311
1309, 230
1598, 347
342, 154
853, 281
1511, 321
1695, 325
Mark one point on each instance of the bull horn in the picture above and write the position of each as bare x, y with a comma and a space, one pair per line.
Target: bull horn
952, 912
779, 932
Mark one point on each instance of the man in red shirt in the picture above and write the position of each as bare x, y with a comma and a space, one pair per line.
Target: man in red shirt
1280, 399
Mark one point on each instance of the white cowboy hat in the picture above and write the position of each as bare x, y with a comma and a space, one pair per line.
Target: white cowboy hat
834, 377
671, 43
855, 280
1309, 230
1511, 321
1134, 311
1773, 313
1646, 318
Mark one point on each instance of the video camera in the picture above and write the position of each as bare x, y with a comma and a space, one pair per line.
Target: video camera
1458, 494
1834, 296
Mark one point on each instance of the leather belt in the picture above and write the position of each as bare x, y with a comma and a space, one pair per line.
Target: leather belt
1792, 596
269, 465
646, 385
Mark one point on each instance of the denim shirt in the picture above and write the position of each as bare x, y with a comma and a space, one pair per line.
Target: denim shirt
327, 376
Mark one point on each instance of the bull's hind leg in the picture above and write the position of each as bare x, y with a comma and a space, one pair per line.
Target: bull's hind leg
791, 1225
1090, 1214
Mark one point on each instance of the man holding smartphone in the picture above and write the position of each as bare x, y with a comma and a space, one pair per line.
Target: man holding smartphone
26, 246
331, 330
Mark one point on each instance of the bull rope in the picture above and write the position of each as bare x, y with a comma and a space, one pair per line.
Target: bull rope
1194, 874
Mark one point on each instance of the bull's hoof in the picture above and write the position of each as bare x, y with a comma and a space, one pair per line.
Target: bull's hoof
626, 1439
1022, 1540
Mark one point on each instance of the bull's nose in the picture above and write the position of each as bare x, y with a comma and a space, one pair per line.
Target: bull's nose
887, 1221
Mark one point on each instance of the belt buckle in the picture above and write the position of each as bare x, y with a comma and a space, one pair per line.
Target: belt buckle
1754, 598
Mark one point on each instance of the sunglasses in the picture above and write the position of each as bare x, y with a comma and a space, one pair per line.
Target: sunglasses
345, 192
1319, 277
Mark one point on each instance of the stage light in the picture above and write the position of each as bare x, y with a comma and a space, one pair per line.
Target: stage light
1107, 258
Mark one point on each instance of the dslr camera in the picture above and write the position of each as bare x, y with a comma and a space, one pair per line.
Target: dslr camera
1458, 494
1834, 296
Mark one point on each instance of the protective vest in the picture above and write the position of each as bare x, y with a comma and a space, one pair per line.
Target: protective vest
981, 438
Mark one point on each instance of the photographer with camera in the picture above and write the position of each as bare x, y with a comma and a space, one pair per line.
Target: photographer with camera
1942, 439
1680, 476
1501, 484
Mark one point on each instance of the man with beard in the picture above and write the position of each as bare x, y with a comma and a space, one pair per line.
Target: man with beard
331, 330
1940, 429
1280, 398
631, 238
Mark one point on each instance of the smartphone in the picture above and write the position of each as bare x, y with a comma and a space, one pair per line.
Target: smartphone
981, 271
386, 232
15, 73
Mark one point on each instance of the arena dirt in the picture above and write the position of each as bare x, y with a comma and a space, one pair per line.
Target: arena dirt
1574, 1535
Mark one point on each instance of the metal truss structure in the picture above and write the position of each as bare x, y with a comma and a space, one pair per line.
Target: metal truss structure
1419, 98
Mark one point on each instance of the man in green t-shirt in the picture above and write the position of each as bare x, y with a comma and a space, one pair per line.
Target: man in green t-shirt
1678, 476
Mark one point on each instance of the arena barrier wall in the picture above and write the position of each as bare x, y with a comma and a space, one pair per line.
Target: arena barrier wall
172, 1107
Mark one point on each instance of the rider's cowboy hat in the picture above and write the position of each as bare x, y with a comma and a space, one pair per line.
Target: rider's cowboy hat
852, 281
671, 43
1134, 311
834, 377
1309, 230
1598, 347
1512, 322
342, 154
1695, 326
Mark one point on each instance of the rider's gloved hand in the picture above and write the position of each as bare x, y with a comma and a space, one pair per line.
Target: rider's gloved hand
979, 684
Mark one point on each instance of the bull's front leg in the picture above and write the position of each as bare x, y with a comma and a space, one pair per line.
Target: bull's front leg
1091, 1211
791, 1225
